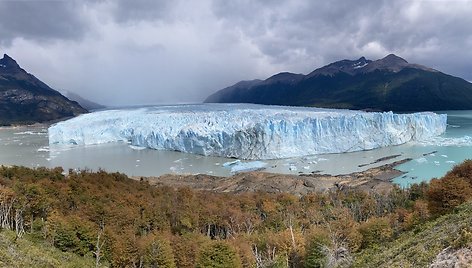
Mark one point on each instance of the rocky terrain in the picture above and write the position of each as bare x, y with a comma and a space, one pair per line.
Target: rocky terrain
374, 179
451, 258
386, 84
24, 99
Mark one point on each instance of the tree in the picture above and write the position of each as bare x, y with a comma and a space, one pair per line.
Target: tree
186, 248
158, 253
375, 231
218, 255
447, 193
315, 250
420, 211
99, 245
463, 171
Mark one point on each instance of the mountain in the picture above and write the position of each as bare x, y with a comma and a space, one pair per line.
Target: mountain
87, 104
386, 84
24, 99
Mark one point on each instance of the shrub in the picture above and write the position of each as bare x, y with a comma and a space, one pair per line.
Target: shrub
375, 231
463, 171
447, 193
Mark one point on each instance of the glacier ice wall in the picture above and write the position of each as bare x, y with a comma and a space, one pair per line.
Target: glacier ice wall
248, 131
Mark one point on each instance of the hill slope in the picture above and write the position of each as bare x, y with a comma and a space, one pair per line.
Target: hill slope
26, 99
140, 225
390, 83
25, 252
87, 104
420, 246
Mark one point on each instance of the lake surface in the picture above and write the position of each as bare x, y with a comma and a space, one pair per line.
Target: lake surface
29, 146
452, 148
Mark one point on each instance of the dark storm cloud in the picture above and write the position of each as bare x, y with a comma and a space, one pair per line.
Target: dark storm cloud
430, 32
124, 51
40, 20
306, 25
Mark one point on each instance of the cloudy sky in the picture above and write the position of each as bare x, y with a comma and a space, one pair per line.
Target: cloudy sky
127, 52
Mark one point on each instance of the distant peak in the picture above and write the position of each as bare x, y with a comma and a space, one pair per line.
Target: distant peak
284, 77
391, 63
8, 58
283, 74
362, 60
8, 61
394, 58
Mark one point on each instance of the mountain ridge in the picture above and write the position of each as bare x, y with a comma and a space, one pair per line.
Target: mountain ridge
24, 99
86, 103
390, 83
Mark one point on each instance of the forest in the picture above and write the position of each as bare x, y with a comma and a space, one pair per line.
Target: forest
119, 222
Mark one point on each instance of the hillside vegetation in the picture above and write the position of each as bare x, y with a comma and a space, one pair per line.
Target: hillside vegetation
28, 252
419, 246
110, 220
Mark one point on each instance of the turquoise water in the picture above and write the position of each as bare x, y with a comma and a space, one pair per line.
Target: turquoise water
29, 146
449, 149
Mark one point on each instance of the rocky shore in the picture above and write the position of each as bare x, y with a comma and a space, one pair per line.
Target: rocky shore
374, 179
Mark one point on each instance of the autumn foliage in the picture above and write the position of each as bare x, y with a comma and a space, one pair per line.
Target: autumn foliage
126, 223
452, 190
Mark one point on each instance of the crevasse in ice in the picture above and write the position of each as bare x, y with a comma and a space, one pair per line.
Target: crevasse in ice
248, 131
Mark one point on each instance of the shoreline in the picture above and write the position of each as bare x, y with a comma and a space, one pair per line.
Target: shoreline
376, 179
35, 125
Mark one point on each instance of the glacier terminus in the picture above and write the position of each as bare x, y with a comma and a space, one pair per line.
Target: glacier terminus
247, 131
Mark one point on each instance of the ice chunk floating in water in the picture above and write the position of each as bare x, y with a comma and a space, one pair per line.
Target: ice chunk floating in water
248, 166
248, 131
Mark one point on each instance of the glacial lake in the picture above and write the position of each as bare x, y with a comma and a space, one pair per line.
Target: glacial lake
29, 146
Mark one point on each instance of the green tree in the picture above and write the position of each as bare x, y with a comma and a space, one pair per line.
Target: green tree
158, 253
218, 255
375, 231
316, 249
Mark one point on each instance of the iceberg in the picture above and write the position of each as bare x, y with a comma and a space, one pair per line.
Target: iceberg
244, 131
248, 166
231, 163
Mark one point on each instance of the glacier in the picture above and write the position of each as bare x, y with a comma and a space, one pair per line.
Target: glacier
246, 131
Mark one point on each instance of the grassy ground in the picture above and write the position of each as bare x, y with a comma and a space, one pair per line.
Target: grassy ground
25, 252
419, 247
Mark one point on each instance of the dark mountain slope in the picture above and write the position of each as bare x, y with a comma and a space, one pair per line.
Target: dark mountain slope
25, 99
390, 83
87, 104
